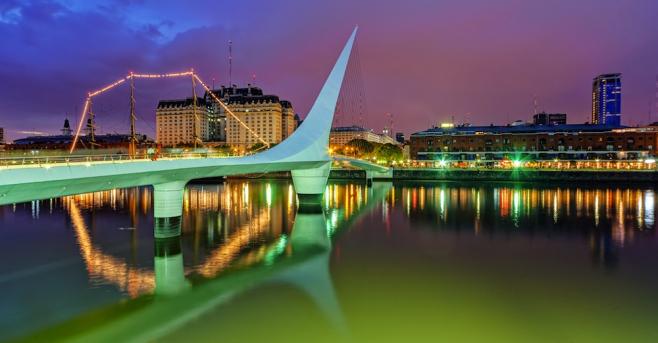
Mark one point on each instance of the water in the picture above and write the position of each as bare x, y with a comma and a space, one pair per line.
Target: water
409, 262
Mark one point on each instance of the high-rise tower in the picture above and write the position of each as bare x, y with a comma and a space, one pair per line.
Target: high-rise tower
606, 99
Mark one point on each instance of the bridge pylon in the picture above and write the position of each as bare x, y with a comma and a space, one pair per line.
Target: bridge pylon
310, 183
168, 208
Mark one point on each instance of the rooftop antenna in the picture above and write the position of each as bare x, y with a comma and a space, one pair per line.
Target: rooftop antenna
195, 124
230, 62
91, 124
391, 126
656, 102
132, 145
535, 103
388, 129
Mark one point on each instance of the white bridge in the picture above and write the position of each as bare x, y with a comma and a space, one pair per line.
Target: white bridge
304, 153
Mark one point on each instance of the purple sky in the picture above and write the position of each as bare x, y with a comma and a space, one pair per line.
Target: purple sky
424, 61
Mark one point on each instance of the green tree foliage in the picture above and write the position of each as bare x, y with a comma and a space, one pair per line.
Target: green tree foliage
367, 150
360, 147
388, 152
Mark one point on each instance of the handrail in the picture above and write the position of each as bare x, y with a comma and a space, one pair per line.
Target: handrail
47, 161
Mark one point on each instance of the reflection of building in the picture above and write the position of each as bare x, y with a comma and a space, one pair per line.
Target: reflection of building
606, 99
269, 117
175, 121
342, 135
544, 118
573, 141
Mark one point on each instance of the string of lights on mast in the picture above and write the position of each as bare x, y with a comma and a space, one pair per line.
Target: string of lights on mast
87, 108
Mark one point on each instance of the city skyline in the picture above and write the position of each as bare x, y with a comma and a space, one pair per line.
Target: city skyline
480, 64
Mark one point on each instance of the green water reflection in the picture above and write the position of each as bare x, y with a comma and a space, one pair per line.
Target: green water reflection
419, 262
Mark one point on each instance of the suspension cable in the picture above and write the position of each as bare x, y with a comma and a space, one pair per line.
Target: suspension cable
132, 76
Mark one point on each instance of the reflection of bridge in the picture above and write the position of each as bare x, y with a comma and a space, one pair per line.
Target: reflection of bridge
304, 153
307, 269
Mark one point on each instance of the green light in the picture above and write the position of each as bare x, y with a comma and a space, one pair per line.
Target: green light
516, 163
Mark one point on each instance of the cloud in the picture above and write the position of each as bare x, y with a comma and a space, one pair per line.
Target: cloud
424, 62
11, 15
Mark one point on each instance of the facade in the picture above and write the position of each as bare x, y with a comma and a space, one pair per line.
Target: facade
267, 116
606, 100
535, 142
289, 124
340, 136
175, 122
216, 122
216, 116
544, 118
2, 136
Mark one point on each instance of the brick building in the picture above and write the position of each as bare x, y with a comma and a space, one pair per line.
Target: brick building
535, 142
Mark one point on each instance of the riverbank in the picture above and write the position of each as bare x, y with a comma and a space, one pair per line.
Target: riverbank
529, 175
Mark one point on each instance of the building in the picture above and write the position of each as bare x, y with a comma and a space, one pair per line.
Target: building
64, 141
340, 136
606, 99
399, 137
298, 120
175, 122
544, 118
2, 136
267, 116
569, 141
289, 124
66, 130
216, 115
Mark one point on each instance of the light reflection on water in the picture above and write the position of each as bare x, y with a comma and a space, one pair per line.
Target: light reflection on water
231, 228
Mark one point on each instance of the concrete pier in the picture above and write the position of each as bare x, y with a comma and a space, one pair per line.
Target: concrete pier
168, 208
311, 183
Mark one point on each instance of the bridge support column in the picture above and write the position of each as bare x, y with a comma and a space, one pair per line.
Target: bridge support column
311, 183
168, 208
169, 271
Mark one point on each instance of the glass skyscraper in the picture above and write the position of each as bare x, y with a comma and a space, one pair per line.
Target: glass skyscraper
606, 99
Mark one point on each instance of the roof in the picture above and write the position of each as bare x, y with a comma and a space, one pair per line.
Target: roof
352, 128
239, 99
228, 91
608, 76
180, 102
247, 95
469, 130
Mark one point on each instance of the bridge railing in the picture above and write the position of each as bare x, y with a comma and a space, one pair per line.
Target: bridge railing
46, 161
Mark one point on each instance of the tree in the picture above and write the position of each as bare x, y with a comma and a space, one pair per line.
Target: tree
359, 147
388, 152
